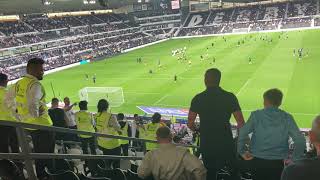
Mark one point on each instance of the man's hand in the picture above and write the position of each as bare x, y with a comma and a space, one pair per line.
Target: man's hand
247, 156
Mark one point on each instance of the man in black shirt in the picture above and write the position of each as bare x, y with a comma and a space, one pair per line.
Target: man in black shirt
57, 116
214, 107
307, 169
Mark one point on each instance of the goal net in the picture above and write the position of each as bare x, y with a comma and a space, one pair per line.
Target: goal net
114, 95
240, 30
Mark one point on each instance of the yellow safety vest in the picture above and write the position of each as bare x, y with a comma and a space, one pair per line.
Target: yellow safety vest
21, 89
5, 113
150, 133
84, 122
102, 120
124, 132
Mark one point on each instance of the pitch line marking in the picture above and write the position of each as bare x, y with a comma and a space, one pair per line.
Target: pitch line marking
243, 87
140, 93
162, 98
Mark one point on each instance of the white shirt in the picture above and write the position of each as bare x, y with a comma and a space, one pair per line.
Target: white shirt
71, 119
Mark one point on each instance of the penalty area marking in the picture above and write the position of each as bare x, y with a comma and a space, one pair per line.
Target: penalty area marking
161, 99
243, 87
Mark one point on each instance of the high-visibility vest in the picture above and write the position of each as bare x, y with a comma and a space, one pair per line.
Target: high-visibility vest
102, 124
5, 113
84, 122
23, 112
150, 133
173, 120
124, 132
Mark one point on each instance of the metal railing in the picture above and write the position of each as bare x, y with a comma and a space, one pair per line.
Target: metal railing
27, 155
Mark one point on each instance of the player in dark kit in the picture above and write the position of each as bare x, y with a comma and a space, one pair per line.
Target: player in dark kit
175, 78
87, 76
300, 53
94, 79
213, 60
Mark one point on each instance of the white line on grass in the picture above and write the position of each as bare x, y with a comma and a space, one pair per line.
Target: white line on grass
243, 87
162, 98
143, 93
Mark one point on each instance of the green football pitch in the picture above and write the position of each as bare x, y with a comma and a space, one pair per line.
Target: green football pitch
273, 66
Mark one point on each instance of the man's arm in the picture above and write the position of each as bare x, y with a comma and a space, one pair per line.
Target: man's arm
298, 139
69, 107
243, 135
193, 112
191, 120
236, 111
145, 169
34, 95
10, 99
194, 166
239, 118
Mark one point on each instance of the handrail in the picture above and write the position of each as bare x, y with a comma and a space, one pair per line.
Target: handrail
66, 156
74, 131
28, 156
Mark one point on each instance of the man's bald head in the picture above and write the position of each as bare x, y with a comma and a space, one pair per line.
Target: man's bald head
212, 77
315, 130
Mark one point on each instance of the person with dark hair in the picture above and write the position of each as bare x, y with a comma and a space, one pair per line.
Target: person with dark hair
124, 125
134, 130
271, 128
85, 123
170, 161
306, 169
150, 130
8, 136
30, 98
108, 124
58, 117
215, 107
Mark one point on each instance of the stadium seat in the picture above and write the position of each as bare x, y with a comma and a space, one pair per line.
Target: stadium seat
62, 175
9, 170
84, 177
113, 174
132, 175
61, 164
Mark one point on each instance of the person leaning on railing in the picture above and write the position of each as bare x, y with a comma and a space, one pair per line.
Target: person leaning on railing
150, 129
30, 105
108, 124
85, 123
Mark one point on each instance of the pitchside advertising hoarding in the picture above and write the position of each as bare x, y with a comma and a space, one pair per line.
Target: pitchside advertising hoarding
177, 112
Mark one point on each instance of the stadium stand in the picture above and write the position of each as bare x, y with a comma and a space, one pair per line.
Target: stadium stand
252, 18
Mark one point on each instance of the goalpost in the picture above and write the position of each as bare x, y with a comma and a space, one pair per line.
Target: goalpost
114, 95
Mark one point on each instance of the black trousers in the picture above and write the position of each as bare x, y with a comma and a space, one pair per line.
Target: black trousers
215, 164
263, 169
88, 142
125, 148
43, 142
111, 163
8, 138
